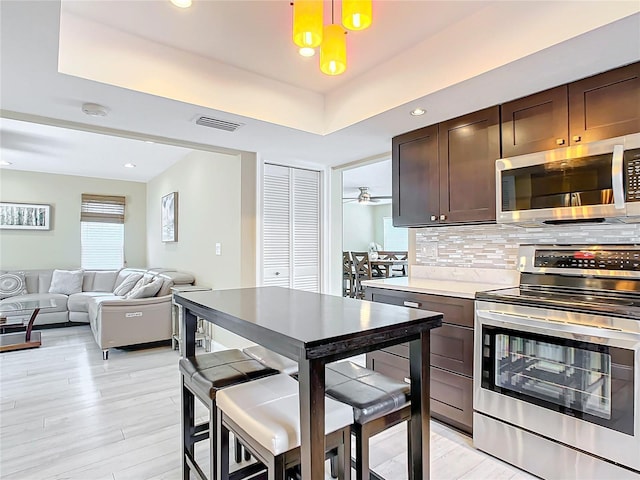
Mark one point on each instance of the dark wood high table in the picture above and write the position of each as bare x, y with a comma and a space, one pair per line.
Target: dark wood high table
315, 329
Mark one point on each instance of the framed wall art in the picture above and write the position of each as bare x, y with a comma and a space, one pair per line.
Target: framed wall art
170, 217
25, 216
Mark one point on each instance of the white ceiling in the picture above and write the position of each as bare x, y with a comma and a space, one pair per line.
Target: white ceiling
157, 68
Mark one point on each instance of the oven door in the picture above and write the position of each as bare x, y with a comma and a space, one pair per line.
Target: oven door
576, 384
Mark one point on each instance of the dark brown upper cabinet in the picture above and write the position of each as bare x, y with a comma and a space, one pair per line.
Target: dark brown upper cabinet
415, 177
444, 174
469, 148
535, 123
605, 105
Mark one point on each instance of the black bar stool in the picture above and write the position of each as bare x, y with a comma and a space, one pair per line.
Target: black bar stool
378, 403
202, 377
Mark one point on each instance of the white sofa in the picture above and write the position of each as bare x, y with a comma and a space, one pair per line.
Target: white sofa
115, 321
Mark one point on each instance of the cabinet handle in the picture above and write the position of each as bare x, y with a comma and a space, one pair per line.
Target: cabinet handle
277, 273
412, 304
433, 218
559, 141
407, 380
443, 217
577, 138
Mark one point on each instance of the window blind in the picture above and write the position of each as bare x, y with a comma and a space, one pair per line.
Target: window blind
102, 231
102, 208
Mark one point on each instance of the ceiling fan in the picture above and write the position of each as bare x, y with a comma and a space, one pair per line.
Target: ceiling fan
365, 197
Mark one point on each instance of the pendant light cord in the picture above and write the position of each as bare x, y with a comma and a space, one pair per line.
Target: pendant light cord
332, 19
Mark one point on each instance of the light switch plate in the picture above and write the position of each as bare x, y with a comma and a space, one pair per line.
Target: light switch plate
218, 249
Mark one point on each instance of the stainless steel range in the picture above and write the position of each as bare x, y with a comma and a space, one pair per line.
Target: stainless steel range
557, 364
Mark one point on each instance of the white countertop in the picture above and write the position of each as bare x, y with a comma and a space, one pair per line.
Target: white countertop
450, 282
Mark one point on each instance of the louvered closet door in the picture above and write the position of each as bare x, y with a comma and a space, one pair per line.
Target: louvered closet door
306, 230
291, 228
276, 227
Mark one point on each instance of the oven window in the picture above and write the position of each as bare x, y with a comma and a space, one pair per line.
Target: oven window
575, 182
567, 376
584, 380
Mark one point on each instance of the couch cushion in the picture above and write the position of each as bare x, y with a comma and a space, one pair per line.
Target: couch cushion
61, 300
66, 281
99, 281
79, 302
12, 284
148, 290
127, 285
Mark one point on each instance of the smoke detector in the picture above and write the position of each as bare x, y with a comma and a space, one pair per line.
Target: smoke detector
94, 110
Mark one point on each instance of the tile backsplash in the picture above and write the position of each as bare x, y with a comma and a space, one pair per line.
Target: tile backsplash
496, 246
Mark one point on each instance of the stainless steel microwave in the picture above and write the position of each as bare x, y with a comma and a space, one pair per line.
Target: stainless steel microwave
595, 182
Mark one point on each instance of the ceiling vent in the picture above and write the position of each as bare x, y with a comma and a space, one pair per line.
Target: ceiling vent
219, 124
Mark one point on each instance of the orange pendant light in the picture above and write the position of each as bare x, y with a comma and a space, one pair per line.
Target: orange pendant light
333, 51
307, 23
356, 14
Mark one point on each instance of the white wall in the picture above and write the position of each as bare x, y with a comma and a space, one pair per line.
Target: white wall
60, 246
216, 204
362, 224
209, 199
357, 227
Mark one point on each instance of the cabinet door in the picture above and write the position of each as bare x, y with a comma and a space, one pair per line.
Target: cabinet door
276, 234
605, 105
536, 123
415, 177
469, 148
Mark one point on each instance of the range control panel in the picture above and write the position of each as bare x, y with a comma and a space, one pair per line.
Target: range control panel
601, 259
632, 175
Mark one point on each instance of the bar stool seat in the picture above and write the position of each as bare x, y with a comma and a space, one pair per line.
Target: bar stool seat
203, 376
265, 414
272, 359
378, 402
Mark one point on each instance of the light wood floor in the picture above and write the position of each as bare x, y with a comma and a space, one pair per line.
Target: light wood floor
67, 414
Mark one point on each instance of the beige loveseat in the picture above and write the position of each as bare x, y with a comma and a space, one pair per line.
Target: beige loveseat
115, 320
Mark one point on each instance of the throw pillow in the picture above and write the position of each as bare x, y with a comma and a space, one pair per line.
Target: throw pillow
147, 291
66, 281
127, 284
12, 284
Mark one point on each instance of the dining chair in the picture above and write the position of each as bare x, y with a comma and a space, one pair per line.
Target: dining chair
348, 276
362, 267
397, 270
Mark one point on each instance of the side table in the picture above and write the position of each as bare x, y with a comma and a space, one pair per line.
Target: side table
176, 319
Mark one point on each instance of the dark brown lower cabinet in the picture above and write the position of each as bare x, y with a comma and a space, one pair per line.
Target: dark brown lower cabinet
451, 354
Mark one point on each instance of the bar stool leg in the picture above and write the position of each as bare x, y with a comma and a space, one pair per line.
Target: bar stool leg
344, 457
214, 434
222, 451
188, 426
362, 453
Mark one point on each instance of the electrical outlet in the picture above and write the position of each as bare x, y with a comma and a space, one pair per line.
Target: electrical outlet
218, 249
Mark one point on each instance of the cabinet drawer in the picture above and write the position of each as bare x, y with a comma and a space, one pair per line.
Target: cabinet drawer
457, 311
452, 399
452, 348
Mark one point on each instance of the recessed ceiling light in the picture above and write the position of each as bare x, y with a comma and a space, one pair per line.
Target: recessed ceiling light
307, 51
148, 141
129, 165
416, 112
4, 163
94, 110
182, 3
